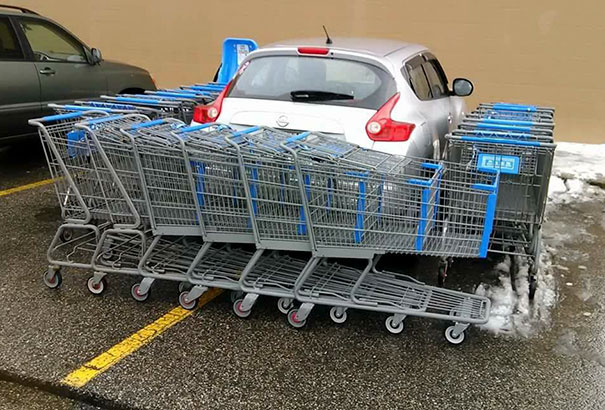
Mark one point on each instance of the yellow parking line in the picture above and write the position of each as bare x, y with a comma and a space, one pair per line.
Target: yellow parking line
107, 359
25, 187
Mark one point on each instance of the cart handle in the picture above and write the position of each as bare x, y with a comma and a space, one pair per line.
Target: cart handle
246, 131
104, 119
298, 137
197, 127
109, 105
498, 121
82, 108
148, 124
503, 141
515, 107
137, 100
58, 117
179, 94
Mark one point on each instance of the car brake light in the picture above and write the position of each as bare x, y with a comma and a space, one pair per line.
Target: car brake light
209, 113
381, 127
322, 51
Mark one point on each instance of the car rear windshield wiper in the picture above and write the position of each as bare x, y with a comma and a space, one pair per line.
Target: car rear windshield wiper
309, 95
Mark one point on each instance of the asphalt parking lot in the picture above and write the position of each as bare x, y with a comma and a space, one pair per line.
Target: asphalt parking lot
212, 359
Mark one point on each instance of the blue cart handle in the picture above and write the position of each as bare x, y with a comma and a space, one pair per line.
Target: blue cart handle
59, 117
514, 107
298, 137
246, 131
509, 122
504, 141
148, 124
104, 119
195, 127
138, 100
85, 108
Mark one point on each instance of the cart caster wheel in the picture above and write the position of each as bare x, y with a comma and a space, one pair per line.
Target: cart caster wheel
137, 295
96, 288
442, 272
235, 295
54, 280
533, 286
449, 336
188, 305
284, 305
184, 286
338, 314
440, 280
66, 235
107, 256
295, 323
392, 328
237, 308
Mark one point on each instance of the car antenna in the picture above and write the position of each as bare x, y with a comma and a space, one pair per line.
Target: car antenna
328, 39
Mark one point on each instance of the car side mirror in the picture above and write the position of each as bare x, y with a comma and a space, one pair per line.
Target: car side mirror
96, 56
462, 87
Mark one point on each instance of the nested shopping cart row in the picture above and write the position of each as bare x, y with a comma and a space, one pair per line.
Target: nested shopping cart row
208, 206
517, 140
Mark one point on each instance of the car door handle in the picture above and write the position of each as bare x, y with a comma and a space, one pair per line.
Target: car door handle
450, 118
47, 71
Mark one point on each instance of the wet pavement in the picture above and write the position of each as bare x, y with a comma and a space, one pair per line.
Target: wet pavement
213, 359
15, 396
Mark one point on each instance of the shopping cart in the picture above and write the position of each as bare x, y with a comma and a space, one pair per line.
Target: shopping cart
110, 108
84, 209
524, 159
166, 107
232, 199
187, 204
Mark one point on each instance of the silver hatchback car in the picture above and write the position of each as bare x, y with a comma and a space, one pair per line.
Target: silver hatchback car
382, 94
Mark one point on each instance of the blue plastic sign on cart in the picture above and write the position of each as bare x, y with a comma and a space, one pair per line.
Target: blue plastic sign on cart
234, 51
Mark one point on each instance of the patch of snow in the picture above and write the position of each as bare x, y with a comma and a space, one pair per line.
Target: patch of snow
512, 313
578, 172
557, 186
578, 175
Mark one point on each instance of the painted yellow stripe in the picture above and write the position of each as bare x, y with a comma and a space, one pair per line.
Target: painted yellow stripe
26, 187
104, 361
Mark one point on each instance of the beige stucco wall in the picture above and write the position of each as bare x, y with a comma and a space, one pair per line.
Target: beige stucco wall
536, 51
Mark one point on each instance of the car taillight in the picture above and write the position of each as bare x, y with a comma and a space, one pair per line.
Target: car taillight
381, 127
209, 113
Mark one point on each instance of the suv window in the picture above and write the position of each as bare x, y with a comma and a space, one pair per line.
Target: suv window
438, 88
417, 78
317, 80
50, 43
9, 46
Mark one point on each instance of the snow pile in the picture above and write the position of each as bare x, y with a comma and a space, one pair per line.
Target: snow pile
578, 172
578, 175
512, 312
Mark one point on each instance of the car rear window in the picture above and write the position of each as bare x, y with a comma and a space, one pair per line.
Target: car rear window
354, 84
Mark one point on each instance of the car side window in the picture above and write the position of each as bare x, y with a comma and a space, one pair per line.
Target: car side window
417, 78
438, 87
50, 43
9, 45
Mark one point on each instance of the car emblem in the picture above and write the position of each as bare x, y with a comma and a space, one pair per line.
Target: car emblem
282, 121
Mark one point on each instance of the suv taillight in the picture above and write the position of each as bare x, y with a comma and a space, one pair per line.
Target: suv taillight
209, 113
382, 128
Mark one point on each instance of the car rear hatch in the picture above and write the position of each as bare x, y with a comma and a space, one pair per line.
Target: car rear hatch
308, 92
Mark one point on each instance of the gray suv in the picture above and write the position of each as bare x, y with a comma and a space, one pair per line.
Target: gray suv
42, 63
